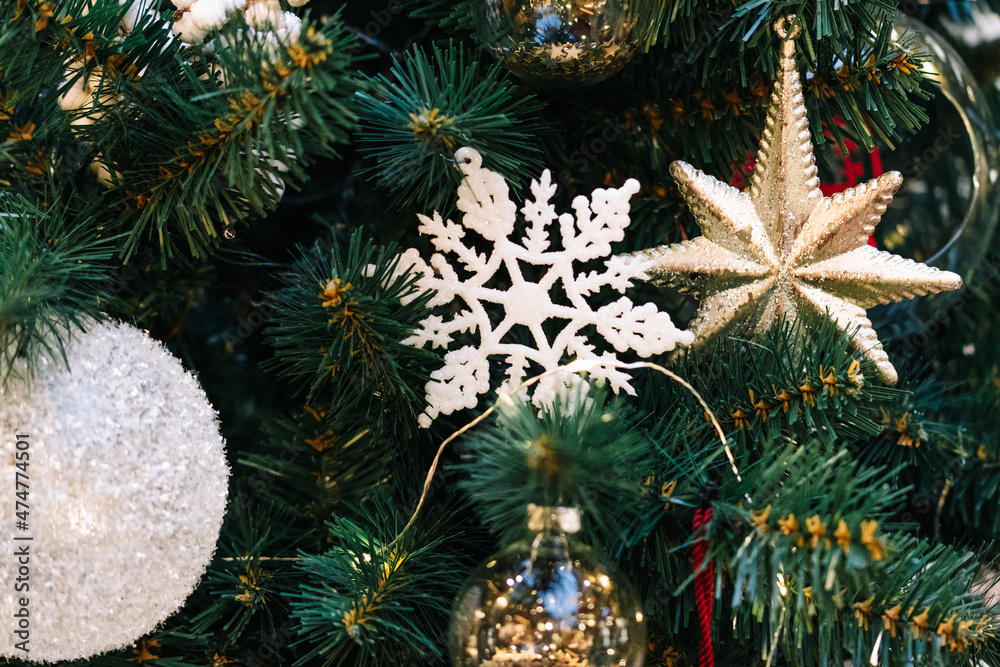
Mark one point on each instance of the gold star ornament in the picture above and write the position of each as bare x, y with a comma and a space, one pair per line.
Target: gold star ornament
781, 249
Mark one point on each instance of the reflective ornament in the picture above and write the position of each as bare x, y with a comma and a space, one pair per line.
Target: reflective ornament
551, 602
571, 42
782, 249
945, 212
124, 490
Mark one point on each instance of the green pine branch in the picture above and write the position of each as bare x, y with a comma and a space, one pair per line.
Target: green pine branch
336, 331
314, 463
457, 16
373, 600
242, 592
814, 555
411, 125
186, 141
801, 380
53, 280
582, 450
701, 93
974, 491
246, 120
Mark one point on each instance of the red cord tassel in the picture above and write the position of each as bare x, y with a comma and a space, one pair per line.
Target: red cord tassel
703, 584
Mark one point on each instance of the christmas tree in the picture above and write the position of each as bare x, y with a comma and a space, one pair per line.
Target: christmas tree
682, 312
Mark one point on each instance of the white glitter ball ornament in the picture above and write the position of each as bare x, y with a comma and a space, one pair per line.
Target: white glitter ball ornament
126, 490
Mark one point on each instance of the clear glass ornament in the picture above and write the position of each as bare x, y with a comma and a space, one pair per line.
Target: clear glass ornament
947, 208
570, 42
550, 602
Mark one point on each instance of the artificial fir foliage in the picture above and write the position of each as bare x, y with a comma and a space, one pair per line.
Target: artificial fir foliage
388, 592
560, 453
50, 276
245, 191
355, 310
436, 104
190, 142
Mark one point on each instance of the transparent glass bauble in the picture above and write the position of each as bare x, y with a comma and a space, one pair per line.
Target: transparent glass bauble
946, 210
550, 602
569, 42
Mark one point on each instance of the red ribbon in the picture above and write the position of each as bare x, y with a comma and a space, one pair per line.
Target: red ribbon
704, 580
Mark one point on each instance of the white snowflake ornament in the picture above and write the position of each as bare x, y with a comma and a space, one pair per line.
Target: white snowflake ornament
484, 198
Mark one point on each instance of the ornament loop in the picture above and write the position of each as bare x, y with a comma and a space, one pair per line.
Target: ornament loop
468, 158
781, 27
568, 518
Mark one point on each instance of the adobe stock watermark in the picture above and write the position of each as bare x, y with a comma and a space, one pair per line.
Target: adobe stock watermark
589, 152
248, 325
268, 651
943, 143
705, 38
21, 584
380, 20
121, 278
950, 304
257, 483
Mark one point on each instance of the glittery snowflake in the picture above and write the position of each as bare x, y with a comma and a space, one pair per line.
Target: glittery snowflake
497, 278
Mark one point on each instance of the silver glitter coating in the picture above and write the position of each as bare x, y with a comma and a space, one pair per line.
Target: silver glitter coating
781, 249
127, 491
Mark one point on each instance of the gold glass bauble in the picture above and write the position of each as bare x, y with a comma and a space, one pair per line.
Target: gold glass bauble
569, 42
550, 602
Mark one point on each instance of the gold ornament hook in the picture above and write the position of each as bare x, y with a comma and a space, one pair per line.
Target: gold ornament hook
781, 27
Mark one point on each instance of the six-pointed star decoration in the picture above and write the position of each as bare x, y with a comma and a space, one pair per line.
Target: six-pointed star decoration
781, 249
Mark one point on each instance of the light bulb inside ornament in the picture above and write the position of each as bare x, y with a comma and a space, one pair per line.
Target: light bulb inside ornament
548, 602
568, 42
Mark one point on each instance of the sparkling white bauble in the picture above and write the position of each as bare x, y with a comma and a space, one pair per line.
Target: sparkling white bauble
278, 166
126, 478
81, 91
212, 14
102, 171
265, 19
188, 31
